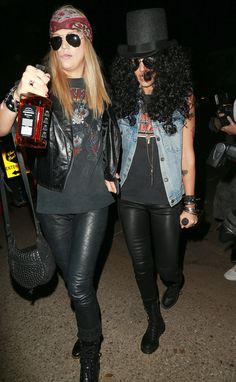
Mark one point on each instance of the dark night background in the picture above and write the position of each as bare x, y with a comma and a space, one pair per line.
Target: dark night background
205, 28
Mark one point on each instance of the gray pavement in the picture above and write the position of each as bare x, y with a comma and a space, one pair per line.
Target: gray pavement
199, 343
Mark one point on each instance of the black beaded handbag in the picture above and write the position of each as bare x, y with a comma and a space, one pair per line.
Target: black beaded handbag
35, 265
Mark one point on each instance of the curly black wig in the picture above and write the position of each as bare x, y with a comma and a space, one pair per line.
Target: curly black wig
172, 87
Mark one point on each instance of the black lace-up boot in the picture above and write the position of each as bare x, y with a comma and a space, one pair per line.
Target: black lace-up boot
89, 361
156, 327
77, 348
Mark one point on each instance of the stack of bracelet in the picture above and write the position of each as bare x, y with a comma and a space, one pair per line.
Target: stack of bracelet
190, 204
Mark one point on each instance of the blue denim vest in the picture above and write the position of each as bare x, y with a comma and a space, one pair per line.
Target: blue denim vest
169, 149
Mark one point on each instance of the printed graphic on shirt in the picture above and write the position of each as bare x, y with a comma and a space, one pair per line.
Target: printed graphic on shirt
85, 129
145, 127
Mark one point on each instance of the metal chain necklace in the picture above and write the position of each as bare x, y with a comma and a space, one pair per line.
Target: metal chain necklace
150, 160
146, 131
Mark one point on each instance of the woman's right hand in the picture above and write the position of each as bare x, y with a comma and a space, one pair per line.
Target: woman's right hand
33, 81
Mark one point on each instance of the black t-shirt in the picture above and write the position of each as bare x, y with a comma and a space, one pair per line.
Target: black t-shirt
139, 186
144, 182
85, 188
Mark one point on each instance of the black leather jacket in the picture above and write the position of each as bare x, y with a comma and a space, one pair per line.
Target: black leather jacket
53, 164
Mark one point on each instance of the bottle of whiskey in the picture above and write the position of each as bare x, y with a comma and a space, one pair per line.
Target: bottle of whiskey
33, 120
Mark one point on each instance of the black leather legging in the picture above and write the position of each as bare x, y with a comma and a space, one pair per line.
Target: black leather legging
152, 235
75, 240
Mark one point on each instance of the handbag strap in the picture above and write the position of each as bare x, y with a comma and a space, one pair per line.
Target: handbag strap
21, 163
5, 205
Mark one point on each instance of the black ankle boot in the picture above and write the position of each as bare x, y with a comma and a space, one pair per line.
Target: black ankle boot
156, 327
76, 350
171, 295
89, 361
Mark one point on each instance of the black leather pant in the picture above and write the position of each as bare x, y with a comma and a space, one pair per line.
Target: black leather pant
152, 235
75, 240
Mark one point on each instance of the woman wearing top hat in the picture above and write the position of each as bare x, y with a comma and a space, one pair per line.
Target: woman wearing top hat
154, 103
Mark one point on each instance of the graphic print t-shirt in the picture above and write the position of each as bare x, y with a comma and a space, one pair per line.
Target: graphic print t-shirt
85, 187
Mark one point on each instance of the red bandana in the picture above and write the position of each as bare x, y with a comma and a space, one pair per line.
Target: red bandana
70, 18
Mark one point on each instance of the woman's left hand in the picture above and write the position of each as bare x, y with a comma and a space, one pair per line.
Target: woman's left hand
192, 219
111, 186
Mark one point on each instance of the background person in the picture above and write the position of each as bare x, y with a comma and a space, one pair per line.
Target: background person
224, 201
154, 104
72, 196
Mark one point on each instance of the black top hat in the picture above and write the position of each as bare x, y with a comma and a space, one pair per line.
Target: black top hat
146, 33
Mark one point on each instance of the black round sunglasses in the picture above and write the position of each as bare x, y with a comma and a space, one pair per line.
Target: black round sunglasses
72, 39
148, 62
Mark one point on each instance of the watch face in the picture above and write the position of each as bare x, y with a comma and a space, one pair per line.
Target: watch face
234, 111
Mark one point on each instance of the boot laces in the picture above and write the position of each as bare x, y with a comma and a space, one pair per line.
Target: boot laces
89, 361
90, 353
155, 327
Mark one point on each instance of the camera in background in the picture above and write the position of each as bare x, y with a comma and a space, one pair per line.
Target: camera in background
220, 153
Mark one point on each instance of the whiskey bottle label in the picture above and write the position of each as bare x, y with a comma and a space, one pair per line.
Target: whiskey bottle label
28, 115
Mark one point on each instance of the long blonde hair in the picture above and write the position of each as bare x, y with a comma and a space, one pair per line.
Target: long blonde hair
95, 89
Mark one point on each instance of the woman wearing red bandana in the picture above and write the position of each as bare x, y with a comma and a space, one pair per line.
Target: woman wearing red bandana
76, 172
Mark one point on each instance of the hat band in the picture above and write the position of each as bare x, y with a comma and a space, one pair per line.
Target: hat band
144, 49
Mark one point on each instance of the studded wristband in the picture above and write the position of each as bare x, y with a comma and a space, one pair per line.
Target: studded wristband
11, 103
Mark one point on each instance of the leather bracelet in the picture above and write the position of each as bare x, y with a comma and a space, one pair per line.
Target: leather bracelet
11, 103
189, 199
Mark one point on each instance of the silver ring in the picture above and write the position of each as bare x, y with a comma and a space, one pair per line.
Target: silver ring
31, 83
